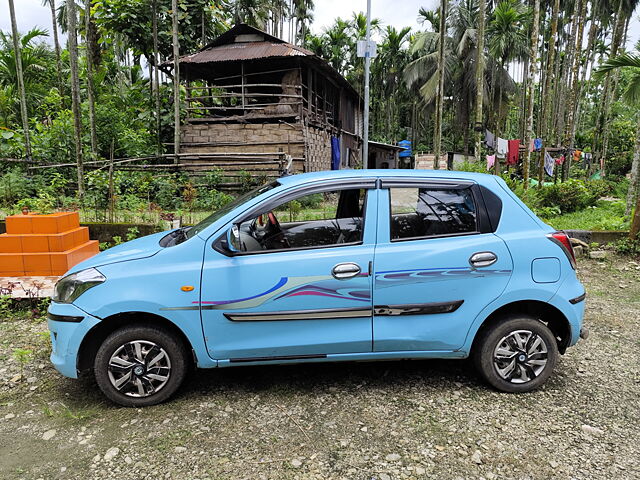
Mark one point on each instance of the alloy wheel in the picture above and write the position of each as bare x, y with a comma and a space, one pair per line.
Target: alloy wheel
520, 356
139, 368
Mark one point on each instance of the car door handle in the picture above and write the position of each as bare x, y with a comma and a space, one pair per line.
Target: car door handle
483, 259
343, 271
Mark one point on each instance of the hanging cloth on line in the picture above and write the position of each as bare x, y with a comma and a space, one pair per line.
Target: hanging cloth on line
537, 144
335, 153
513, 147
502, 146
576, 156
549, 163
560, 160
489, 139
491, 160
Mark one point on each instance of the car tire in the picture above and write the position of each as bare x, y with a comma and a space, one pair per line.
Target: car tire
140, 365
517, 354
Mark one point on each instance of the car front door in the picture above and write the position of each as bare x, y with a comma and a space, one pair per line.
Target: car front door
298, 284
437, 265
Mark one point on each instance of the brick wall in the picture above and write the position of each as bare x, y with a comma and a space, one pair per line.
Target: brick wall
248, 138
318, 149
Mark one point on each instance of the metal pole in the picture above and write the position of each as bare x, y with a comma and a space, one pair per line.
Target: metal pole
176, 80
367, 63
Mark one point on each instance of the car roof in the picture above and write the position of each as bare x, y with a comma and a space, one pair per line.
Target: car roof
383, 173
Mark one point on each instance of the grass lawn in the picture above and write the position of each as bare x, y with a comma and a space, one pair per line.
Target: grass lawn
605, 215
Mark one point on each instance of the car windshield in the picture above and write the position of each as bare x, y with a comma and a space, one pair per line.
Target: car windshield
228, 208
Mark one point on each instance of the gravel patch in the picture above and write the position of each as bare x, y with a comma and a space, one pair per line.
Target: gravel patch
380, 420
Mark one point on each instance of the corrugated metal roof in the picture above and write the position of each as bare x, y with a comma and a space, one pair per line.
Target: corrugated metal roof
245, 51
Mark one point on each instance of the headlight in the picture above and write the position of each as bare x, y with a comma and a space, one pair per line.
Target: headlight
72, 286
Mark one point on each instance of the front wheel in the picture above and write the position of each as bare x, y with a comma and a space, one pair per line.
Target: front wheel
518, 354
140, 365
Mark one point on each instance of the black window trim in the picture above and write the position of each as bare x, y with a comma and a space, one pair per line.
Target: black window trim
219, 244
483, 224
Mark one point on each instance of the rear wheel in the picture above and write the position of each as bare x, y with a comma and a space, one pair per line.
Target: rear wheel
518, 354
140, 365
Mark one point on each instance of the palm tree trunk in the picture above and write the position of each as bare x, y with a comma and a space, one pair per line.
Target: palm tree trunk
75, 91
632, 193
570, 133
547, 112
56, 43
566, 78
479, 79
533, 64
590, 56
156, 64
635, 223
90, 89
176, 81
21, 91
605, 110
440, 98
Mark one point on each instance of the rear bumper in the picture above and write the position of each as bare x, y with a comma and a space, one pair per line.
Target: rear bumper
570, 300
68, 326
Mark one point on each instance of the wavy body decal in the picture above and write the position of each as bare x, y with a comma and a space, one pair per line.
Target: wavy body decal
392, 278
318, 285
327, 286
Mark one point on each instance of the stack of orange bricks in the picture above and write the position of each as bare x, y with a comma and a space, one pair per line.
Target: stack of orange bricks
44, 245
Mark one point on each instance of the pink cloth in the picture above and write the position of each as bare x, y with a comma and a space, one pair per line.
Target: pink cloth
491, 160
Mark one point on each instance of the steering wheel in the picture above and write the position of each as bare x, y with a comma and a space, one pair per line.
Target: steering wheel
274, 236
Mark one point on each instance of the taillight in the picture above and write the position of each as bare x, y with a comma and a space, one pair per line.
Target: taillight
563, 240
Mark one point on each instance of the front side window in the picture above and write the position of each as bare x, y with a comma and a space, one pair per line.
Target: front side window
218, 214
314, 220
430, 212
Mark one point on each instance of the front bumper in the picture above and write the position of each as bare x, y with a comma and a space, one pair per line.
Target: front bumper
68, 326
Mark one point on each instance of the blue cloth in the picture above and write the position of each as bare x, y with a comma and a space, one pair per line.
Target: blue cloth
335, 153
537, 144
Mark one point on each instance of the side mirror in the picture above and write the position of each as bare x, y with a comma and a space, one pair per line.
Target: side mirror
233, 239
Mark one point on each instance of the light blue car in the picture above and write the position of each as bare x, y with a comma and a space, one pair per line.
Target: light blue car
325, 267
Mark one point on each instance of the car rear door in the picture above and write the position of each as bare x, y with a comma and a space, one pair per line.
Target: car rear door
437, 264
308, 294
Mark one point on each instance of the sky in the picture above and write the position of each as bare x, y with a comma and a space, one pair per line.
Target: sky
399, 13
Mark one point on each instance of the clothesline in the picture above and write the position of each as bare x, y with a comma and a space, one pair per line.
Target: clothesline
510, 150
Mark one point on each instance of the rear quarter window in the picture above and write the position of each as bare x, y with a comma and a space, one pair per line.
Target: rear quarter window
431, 212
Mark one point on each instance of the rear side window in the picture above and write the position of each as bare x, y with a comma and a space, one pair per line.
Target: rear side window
431, 212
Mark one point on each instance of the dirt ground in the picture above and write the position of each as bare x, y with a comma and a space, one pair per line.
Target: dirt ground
421, 419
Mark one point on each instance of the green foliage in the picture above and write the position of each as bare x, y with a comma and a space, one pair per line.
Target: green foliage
627, 246
210, 199
569, 196
479, 167
132, 233
23, 356
13, 186
605, 215
311, 201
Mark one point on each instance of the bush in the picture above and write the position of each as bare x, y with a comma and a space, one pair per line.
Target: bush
210, 199
569, 196
14, 186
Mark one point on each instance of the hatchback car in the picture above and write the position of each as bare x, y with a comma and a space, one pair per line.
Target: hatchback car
325, 267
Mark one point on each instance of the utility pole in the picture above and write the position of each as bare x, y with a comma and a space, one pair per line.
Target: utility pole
176, 80
367, 64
